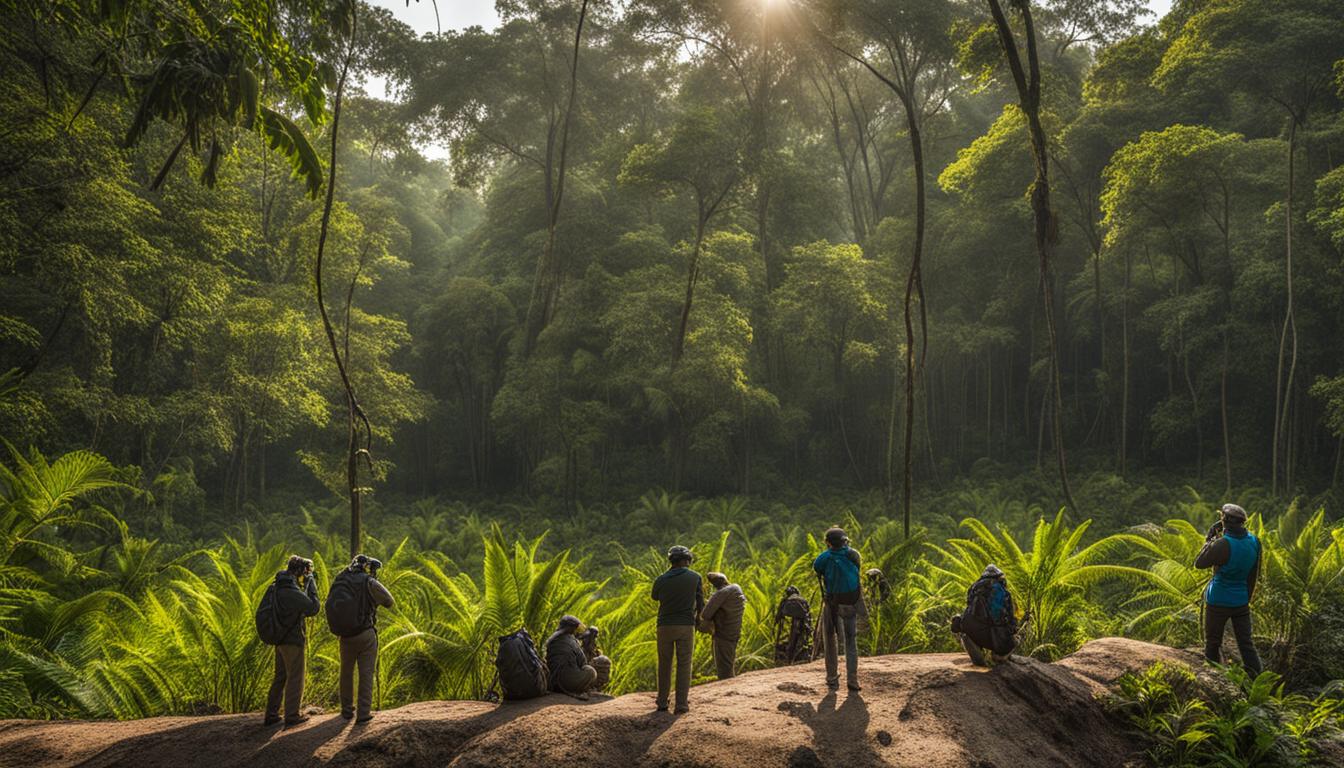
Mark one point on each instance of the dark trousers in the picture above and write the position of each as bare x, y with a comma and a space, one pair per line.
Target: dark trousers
725, 658
1215, 620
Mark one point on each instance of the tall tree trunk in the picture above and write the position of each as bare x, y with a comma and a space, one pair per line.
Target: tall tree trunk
1283, 394
1028, 84
546, 282
355, 413
1124, 374
913, 284
1227, 430
692, 276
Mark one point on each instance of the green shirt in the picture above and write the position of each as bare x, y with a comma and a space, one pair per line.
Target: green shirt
679, 597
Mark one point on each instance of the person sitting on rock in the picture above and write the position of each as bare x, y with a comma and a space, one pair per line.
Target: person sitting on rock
596, 658
990, 620
569, 668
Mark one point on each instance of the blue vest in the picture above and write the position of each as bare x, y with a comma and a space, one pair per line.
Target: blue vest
1228, 588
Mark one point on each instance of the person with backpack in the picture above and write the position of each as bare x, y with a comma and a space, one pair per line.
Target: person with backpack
287, 602
796, 646
722, 618
680, 597
352, 615
1234, 555
837, 569
990, 619
568, 665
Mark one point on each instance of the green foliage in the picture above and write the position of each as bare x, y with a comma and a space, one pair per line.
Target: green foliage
1227, 719
1049, 578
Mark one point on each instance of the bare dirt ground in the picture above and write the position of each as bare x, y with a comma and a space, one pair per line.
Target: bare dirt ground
926, 710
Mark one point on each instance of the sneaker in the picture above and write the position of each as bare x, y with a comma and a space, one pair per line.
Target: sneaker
271, 720
293, 721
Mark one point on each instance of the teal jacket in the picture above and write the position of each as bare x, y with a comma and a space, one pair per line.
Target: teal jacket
1235, 559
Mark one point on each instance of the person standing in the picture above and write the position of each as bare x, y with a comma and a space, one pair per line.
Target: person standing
568, 665
722, 617
796, 646
838, 569
352, 615
1234, 555
294, 598
680, 596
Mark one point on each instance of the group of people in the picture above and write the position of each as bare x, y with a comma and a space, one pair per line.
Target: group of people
352, 615
577, 666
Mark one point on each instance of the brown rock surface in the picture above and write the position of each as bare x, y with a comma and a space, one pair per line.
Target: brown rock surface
914, 710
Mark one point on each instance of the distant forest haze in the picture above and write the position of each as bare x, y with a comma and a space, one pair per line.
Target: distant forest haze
771, 248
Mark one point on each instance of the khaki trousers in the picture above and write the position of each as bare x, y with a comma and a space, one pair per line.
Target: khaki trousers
679, 641
725, 658
362, 651
287, 681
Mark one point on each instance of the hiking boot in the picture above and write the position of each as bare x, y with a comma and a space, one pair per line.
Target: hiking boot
271, 720
973, 650
660, 708
855, 687
581, 696
347, 714
364, 718
681, 710
290, 722
833, 685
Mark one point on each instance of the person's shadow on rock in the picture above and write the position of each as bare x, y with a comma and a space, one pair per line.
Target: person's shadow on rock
839, 733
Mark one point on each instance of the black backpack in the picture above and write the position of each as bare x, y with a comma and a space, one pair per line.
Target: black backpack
269, 627
521, 672
985, 603
349, 609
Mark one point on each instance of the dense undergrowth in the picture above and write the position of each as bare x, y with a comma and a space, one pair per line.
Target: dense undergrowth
1226, 717
96, 619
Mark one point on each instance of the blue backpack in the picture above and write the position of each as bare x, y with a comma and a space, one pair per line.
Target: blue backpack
989, 602
840, 575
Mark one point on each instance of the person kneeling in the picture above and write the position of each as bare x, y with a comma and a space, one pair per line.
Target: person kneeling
989, 620
570, 671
